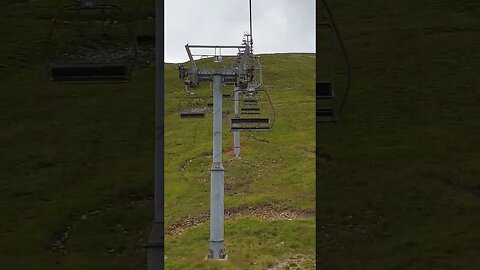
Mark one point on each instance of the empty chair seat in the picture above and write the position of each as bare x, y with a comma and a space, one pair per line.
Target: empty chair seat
250, 113
84, 73
265, 128
324, 90
250, 102
326, 115
250, 109
250, 124
192, 115
250, 121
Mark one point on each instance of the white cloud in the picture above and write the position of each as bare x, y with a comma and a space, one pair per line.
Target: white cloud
278, 25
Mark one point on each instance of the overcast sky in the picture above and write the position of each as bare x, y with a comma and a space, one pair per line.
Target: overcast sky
279, 26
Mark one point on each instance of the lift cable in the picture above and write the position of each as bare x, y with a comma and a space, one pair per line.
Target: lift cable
345, 54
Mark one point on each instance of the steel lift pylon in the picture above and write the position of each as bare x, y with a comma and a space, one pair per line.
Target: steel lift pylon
193, 76
241, 75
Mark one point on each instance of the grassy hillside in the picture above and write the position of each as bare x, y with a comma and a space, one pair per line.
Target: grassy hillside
275, 175
401, 187
76, 161
77, 166
397, 178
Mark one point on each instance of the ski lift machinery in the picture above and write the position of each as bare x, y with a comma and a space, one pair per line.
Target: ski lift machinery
90, 43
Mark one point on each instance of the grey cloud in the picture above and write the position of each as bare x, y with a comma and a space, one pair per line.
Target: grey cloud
278, 25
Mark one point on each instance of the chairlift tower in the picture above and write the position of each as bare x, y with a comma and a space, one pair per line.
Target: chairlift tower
245, 61
193, 76
241, 75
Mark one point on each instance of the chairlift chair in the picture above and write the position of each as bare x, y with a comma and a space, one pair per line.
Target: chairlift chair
192, 111
251, 128
192, 114
324, 90
192, 105
250, 111
74, 56
250, 116
250, 121
250, 102
325, 115
251, 124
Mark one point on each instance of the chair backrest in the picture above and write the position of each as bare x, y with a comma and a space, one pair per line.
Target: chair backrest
85, 73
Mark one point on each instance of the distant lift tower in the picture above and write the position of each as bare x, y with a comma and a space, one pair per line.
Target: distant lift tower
245, 61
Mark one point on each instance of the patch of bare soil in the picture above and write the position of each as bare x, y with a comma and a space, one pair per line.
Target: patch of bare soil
268, 212
259, 139
295, 262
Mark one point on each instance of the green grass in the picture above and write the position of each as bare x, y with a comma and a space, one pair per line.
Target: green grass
252, 244
401, 191
279, 167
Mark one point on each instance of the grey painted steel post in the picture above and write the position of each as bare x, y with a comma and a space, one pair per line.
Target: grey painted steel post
155, 246
217, 173
236, 133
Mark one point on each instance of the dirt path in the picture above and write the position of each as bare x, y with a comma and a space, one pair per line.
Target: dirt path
295, 262
268, 212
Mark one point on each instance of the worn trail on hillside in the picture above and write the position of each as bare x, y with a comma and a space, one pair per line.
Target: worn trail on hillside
295, 262
268, 212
